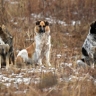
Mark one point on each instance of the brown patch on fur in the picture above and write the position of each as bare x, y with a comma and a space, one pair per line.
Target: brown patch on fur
31, 50
19, 62
42, 23
47, 29
19, 59
36, 29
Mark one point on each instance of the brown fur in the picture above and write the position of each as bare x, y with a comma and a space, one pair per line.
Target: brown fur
31, 50
19, 61
42, 23
47, 28
36, 29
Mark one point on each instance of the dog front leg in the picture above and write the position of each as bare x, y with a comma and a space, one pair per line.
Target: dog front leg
7, 61
48, 58
40, 61
93, 60
47, 55
38, 57
12, 59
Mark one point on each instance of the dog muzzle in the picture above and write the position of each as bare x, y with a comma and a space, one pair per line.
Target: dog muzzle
42, 30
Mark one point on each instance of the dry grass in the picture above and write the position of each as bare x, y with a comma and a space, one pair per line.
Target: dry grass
64, 79
47, 80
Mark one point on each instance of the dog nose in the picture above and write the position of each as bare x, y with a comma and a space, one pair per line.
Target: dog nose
42, 29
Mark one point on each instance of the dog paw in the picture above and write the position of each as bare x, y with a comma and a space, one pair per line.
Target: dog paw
7, 67
49, 64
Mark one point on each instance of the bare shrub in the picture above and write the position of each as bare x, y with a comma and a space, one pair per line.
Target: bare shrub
47, 80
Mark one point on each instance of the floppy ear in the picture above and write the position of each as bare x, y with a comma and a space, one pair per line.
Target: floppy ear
46, 23
38, 22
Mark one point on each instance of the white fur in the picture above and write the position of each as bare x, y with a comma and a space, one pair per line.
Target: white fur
23, 53
89, 43
43, 43
1, 41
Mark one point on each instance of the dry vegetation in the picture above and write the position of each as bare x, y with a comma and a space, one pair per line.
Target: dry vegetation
64, 78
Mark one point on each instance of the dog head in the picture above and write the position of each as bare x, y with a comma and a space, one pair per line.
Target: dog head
5, 35
93, 28
42, 27
4, 49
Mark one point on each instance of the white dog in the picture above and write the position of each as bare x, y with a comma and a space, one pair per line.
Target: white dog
40, 48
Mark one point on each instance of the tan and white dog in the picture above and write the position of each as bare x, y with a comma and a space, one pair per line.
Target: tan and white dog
40, 48
26, 55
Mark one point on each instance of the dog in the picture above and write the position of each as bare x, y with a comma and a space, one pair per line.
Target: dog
26, 56
6, 38
43, 41
89, 47
4, 56
41, 46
